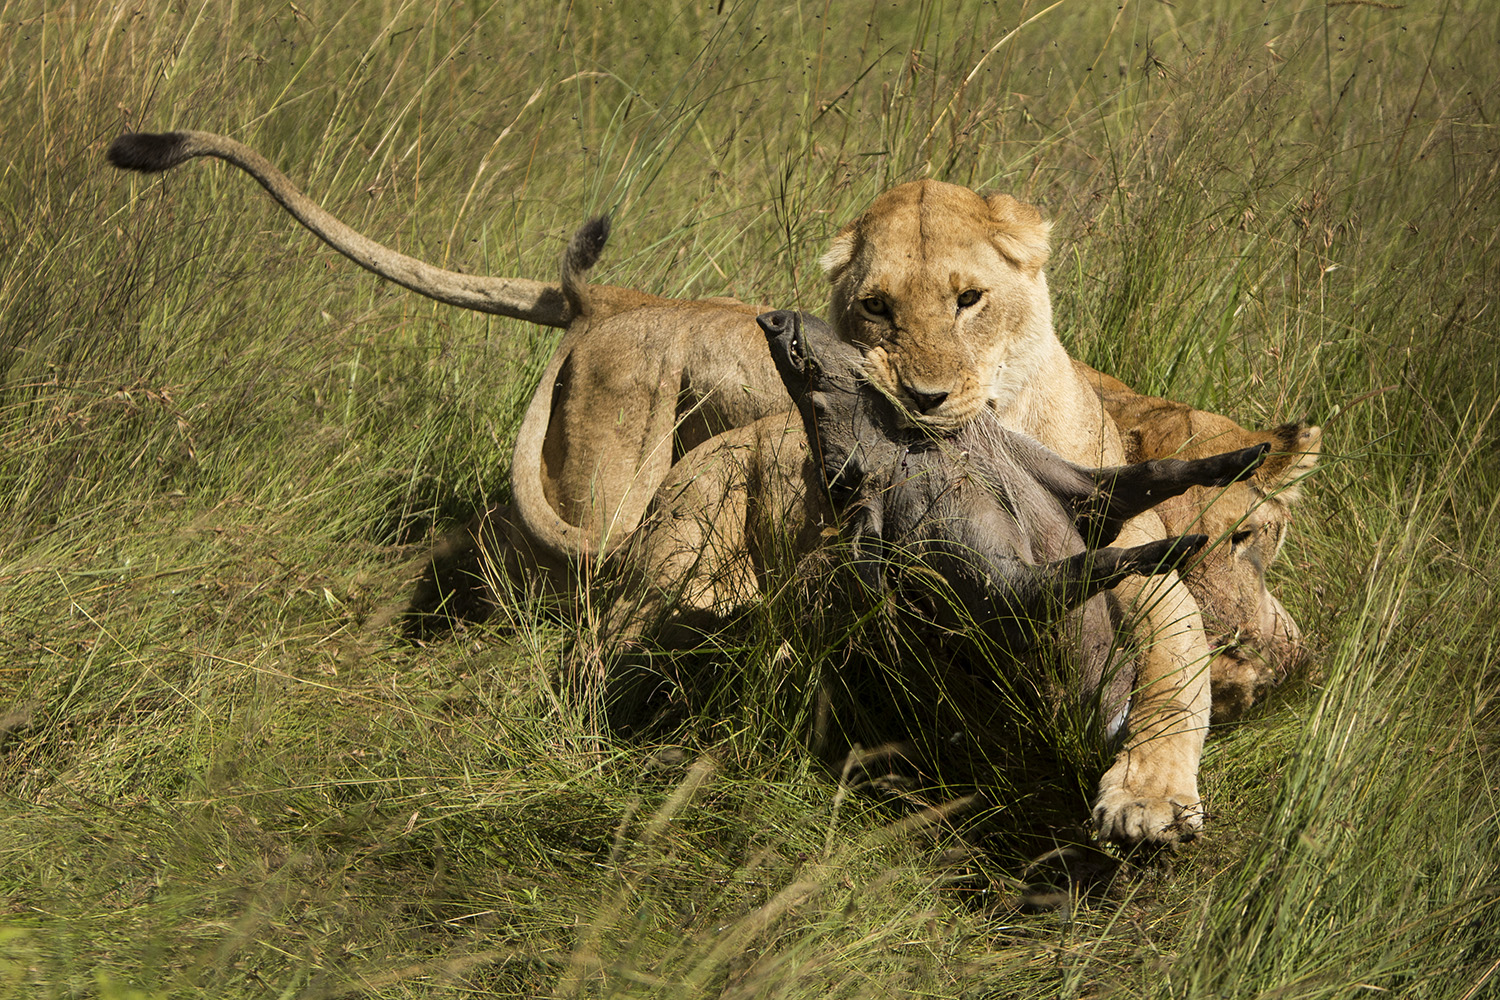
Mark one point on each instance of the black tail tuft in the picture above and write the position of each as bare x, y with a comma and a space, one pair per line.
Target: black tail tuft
148, 152
588, 242
582, 253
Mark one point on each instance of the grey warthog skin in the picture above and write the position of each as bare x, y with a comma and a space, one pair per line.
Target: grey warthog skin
985, 528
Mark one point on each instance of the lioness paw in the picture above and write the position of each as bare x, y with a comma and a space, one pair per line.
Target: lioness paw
1123, 817
1145, 801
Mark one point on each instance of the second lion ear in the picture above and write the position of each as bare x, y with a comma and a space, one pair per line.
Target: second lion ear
840, 251
1295, 450
1020, 233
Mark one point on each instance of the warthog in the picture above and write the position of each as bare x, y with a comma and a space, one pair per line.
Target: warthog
984, 529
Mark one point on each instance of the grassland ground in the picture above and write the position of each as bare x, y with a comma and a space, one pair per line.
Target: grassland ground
223, 449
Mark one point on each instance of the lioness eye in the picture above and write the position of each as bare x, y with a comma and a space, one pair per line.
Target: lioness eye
1241, 537
874, 305
968, 297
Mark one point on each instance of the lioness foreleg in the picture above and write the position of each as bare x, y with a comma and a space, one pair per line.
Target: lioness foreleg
1151, 791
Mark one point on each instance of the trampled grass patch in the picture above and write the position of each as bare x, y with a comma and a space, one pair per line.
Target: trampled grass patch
224, 449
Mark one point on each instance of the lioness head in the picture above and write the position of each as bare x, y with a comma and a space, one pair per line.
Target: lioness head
942, 289
1256, 642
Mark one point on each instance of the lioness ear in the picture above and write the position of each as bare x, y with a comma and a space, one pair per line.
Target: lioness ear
1295, 449
840, 251
1020, 233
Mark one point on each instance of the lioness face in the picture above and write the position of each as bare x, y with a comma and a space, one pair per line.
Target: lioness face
942, 290
1230, 580
1255, 640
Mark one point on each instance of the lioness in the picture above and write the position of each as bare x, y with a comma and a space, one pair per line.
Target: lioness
943, 291
1255, 640
636, 382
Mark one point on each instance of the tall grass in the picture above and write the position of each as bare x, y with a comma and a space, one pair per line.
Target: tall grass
222, 448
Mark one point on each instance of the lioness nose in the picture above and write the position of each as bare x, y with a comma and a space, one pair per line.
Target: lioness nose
927, 401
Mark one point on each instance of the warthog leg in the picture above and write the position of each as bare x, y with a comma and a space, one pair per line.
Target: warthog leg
1124, 491
1012, 599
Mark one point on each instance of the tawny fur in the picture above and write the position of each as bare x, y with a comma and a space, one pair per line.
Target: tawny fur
1255, 640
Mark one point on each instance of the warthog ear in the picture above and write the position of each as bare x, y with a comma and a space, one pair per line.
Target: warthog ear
840, 251
1020, 233
1295, 449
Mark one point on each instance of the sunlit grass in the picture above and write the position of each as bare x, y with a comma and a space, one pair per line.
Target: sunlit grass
223, 449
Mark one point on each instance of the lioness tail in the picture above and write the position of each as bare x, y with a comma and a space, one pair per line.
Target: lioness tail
520, 298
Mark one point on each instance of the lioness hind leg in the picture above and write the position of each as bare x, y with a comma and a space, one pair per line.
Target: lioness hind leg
696, 562
1150, 794
690, 562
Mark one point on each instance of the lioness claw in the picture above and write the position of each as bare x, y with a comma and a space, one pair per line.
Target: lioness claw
1122, 818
